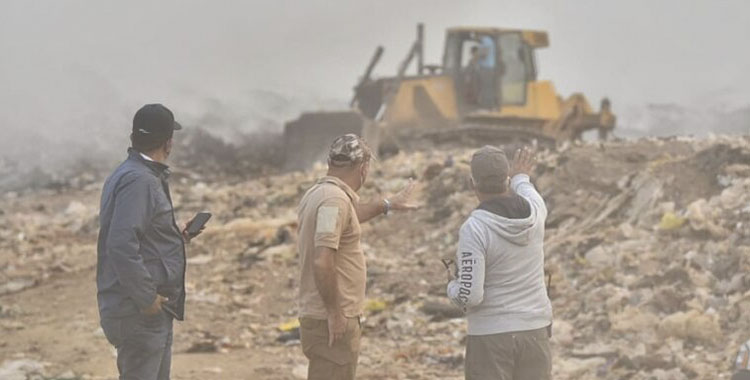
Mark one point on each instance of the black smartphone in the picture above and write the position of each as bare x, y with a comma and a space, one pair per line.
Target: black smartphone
195, 225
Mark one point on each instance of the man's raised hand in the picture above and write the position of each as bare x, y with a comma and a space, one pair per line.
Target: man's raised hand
523, 162
403, 200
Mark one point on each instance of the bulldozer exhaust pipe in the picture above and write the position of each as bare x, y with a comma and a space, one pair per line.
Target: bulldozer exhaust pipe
420, 48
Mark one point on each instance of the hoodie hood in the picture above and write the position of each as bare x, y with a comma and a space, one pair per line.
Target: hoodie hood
511, 218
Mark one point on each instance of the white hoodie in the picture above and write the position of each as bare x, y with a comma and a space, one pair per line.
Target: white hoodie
500, 264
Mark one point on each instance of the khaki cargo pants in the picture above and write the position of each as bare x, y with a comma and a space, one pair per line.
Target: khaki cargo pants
522, 355
330, 363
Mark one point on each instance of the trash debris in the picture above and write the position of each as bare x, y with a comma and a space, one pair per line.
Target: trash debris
209, 342
290, 325
199, 260
440, 311
692, 324
648, 242
290, 337
670, 221
375, 306
16, 285
22, 369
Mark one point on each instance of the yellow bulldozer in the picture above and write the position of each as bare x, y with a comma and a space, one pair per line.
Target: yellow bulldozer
485, 91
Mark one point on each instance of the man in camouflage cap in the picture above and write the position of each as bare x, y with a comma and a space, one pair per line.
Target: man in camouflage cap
347, 149
333, 270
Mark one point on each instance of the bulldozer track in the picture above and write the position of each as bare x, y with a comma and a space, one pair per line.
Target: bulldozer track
482, 134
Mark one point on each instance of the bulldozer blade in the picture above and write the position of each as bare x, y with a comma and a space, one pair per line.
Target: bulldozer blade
307, 139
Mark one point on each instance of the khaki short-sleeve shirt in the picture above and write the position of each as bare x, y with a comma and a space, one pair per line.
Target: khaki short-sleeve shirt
327, 218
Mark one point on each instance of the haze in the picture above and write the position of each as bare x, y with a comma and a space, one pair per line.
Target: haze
75, 71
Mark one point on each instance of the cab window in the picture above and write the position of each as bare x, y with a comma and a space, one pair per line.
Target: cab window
515, 69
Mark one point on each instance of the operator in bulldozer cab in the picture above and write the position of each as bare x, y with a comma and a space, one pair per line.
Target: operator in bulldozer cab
482, 74
487, 75
471, 77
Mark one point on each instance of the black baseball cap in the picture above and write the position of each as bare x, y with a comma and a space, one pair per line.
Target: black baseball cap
153, 125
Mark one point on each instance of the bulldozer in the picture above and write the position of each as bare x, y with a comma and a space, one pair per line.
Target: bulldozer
486, 91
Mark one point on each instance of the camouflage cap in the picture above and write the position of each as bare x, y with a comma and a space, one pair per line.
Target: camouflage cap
347, 150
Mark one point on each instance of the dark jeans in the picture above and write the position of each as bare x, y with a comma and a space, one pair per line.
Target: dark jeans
520, 355
143, 343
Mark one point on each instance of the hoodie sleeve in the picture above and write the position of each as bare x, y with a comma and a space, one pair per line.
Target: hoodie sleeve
522, 186
467, 290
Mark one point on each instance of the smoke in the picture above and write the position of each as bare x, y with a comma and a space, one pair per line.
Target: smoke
253, 111
676, 119
243, 130
716, 112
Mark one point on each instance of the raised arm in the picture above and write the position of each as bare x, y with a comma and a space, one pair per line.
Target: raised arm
368, 211
522, 186
399, 202
520, 170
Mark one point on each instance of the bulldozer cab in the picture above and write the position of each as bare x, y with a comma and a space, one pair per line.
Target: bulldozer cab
484, 91
491, 67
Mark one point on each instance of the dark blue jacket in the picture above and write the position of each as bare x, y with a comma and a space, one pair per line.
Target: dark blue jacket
140, 252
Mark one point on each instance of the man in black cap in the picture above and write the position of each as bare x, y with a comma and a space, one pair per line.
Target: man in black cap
140, 274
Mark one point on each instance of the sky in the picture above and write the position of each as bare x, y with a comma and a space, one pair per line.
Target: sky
78, 70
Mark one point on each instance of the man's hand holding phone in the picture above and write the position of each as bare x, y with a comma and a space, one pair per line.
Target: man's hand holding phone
195, 226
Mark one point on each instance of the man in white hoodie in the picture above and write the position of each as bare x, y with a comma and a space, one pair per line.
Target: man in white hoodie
500, 272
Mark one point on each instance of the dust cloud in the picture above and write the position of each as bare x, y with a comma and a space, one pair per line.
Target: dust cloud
72, 73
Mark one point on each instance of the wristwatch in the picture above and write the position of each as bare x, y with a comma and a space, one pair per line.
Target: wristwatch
387, 208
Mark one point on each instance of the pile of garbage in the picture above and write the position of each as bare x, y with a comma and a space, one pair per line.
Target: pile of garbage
647, 247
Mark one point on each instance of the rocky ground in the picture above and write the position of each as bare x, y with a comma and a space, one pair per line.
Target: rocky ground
648, 247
